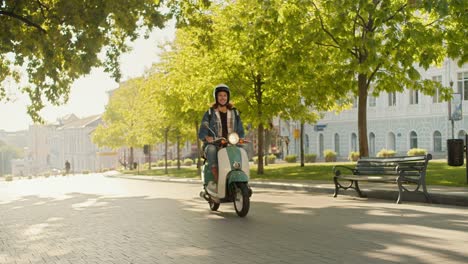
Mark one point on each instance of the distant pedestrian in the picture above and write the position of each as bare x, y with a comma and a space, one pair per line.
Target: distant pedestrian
67, 167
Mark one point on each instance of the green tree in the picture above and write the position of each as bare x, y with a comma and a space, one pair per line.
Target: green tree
253, 46
121, 119
7, 153
374, 46
55, 42
260, 48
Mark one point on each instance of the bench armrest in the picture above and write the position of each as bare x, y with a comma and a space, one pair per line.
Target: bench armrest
337, 171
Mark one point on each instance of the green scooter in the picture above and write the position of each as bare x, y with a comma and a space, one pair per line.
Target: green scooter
233, 177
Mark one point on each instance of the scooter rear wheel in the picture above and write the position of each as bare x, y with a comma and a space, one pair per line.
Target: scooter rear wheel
241, 199
213, 205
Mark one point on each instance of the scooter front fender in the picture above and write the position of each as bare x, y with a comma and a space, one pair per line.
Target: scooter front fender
237, 176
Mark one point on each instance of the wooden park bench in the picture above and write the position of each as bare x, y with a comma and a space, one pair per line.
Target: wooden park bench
403, 171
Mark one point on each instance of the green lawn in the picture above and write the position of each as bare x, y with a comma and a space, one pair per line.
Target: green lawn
438, 172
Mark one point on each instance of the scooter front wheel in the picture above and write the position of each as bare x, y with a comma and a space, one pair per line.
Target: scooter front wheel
213, 205
241, 199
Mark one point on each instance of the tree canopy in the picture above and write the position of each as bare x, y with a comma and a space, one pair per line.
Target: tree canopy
376, 46
55, 42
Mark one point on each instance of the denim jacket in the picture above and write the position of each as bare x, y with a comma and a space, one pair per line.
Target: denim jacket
214, 123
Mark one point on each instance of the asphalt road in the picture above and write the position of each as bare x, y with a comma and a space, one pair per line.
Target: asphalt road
98, 219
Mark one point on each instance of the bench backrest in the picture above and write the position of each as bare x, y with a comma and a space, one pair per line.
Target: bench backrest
411, 165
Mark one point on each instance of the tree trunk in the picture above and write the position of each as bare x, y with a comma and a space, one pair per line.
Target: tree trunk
259, 98
149, 156
260, 149
165, 149
198, 149
131, 158
178, 151
267, 135
301, 141
362, 115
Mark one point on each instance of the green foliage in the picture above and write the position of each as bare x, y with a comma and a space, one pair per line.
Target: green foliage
353, 156
188, 162
8, 153
386, 153
271, 159
255, 160
121, 118
290, 158
330, 155
160, 163
358, 43
310, 158
55, 44
416, 152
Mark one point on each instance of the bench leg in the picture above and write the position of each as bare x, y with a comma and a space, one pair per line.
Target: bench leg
356, 184
337, 187
400, 192
426, 194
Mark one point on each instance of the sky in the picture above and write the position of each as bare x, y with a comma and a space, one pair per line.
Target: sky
88, 95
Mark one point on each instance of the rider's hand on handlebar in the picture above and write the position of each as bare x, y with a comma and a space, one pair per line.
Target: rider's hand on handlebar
209, 139
243, 141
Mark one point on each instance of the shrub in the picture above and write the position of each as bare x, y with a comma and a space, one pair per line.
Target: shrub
290, 158
353, 156
8, 178
309, 158
85, 172
386, 153
188, 162
330, 155
160, 163
255, 159
416, 152
271, 159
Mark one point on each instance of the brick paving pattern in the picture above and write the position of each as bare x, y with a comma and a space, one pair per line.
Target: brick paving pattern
97, 219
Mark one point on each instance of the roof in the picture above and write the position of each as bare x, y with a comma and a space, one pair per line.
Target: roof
89, 121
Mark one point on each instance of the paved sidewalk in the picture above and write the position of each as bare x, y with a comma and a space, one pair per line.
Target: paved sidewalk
439, 194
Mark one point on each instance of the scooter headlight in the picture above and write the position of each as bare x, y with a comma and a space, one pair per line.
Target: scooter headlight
233, 138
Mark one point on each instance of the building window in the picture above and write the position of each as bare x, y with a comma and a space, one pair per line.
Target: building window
337, 144
436, 98
372, 100
437, 141
392, 99
462, 84
372, 144
306, 144
321, 145
413, 140
414, 97
353, 142
391, 141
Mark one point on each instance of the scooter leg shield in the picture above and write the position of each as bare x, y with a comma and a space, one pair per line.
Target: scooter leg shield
207, 174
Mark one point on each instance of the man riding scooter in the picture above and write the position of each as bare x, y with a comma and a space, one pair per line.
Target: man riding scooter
222, 119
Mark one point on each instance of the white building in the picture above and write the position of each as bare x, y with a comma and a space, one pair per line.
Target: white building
396, 121
51, 145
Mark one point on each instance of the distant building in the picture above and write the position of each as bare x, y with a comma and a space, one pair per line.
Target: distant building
50, 145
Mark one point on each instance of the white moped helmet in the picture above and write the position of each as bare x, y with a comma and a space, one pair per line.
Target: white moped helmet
221, 88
